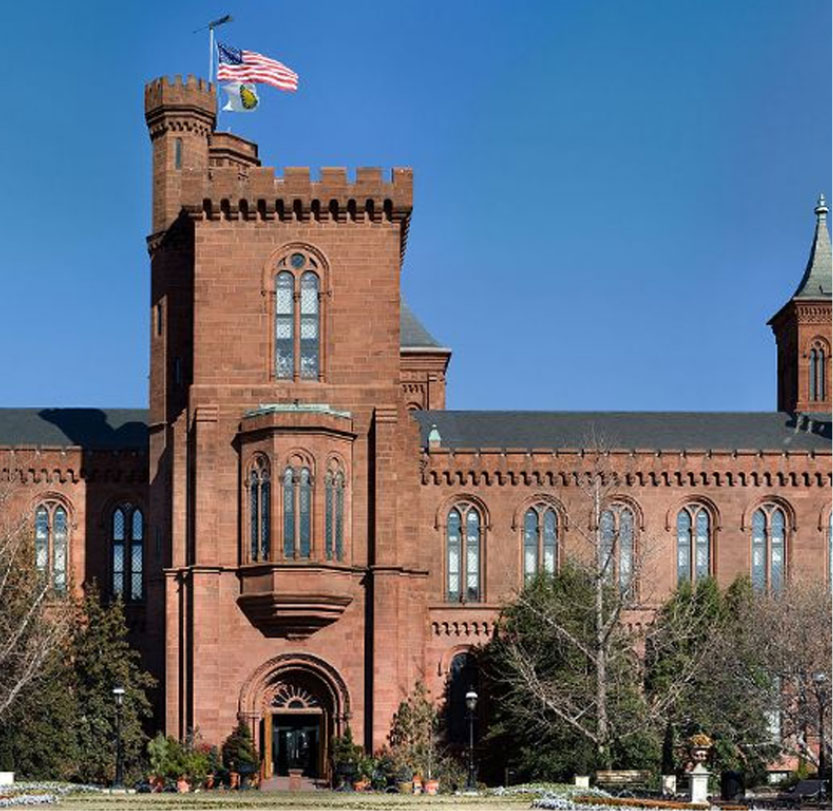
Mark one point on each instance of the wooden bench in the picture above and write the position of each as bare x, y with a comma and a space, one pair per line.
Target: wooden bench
623, 779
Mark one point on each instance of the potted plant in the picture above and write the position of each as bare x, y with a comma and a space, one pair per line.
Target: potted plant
345, 755
239, 756
405, 779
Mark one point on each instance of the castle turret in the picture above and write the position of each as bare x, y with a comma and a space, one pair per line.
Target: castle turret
803, 330
180, 116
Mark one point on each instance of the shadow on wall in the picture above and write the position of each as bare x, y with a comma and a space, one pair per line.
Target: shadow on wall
91, 428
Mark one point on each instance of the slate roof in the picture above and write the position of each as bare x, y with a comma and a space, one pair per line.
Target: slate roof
89, 428
412, 333
817, 281
631, 430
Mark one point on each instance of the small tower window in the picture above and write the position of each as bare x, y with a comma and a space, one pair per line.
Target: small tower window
818, 383
177, 153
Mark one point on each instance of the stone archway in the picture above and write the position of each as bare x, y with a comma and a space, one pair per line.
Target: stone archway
295, 704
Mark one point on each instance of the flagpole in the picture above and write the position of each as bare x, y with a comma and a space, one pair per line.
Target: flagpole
211, 26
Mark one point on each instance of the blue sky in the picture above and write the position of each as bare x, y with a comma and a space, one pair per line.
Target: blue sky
611, 197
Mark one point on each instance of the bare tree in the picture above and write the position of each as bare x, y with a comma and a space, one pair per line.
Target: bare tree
598, 695
31, 626
795, 628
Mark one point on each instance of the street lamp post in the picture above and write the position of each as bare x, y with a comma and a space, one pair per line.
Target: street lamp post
118, 695
471, 705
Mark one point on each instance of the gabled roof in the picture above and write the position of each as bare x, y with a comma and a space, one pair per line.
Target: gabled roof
88, 428
627, 430
411, 332
817, 281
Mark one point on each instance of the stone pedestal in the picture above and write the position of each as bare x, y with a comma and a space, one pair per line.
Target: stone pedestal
669, 785
6, 778
699, 784
582, 781
295, 779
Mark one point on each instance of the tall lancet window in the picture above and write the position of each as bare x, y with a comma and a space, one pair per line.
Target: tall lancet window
260, 525
297, 512
616, 526
52, 544
284, 325
298, 322
463, 553
334, 513
693, 543
540, 541
768, 548
127, 543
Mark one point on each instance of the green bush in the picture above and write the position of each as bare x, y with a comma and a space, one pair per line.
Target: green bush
239, 750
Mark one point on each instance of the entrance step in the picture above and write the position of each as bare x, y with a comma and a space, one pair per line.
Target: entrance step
282, 784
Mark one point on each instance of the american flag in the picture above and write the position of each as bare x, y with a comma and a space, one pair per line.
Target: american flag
247, 66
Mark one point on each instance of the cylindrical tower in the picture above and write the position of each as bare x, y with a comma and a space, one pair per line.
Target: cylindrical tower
180, 117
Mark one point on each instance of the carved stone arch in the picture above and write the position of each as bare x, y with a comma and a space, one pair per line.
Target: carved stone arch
816, 340
256, 460
632, 504
450, 654
540, 499
270, 266
53, 499
264, 678
297, 457
703, 501
462, 498
780, 501
128, 498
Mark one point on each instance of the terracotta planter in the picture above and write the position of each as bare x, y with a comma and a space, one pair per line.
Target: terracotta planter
432, 787
361, 785
405, 787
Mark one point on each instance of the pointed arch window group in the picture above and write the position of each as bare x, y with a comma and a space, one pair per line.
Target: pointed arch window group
298, 317
295, 518
616, 525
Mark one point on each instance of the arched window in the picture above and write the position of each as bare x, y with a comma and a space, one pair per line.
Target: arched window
817, 376
298, 317
52, 544
127, 542
693, 543
463, 527
334, 513
768, 548
540, 541
297, 512
616, 525
260, 523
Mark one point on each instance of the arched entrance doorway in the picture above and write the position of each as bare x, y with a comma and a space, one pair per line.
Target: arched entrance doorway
295, 704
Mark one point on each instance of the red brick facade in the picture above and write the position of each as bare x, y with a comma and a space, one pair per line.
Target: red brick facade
328, 625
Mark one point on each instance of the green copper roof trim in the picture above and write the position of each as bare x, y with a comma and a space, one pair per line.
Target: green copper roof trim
297, 408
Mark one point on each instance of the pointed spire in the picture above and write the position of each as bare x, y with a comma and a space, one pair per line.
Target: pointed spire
817, 281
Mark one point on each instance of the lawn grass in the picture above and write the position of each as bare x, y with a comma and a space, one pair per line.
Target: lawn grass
266, 801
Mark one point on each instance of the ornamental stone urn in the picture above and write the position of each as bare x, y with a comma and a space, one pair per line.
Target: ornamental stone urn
699, 746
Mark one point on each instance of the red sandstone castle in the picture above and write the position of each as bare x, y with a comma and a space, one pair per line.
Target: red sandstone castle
299, 530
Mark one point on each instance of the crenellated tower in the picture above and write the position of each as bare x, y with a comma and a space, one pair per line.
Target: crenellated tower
802, 330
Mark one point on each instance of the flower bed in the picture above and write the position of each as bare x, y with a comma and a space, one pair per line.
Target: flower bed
584, 801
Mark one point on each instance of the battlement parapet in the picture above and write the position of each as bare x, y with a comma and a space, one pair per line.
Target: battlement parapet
229, 192
173, 97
